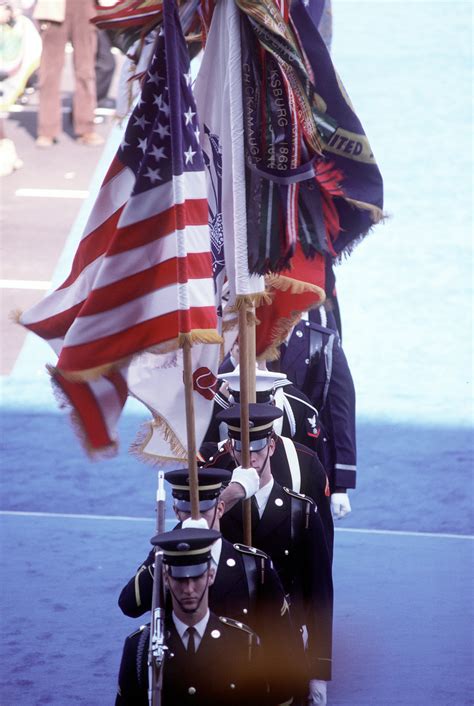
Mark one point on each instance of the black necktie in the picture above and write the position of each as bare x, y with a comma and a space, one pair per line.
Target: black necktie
191, 642
255, 515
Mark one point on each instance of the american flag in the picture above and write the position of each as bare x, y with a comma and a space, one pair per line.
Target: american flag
141, 279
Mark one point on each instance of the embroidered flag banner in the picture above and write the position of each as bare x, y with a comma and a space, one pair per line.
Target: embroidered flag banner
305, 200
218, 93
321, 14
225, 101
297, 192
141, 279
157, 381
360, 201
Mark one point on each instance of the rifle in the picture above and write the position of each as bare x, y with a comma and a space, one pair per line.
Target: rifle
157, 648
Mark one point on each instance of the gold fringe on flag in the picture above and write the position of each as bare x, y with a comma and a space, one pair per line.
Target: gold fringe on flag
277, 281
143, 438
91, 374
249, 300
199, 336
283, 326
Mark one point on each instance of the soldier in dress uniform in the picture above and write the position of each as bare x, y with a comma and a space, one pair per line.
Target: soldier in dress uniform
299, 421
286, 525
209, 660
246, 587
313, 359
293, 465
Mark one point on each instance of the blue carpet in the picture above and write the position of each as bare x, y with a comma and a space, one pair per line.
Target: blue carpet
403, 603
410, 477
402, 622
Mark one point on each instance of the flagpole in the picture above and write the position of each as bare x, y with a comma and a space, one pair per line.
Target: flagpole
174, 71
190, 429
247, 394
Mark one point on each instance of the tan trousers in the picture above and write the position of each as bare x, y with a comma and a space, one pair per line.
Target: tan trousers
77, 29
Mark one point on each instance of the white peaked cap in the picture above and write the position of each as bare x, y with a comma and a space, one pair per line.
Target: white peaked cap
265, 380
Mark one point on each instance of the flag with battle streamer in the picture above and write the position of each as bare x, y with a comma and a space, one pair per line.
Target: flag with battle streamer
307, 202
225, 99
141, 282
218, 94
307, 190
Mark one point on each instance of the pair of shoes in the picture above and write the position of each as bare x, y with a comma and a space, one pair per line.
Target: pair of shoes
43, 141
92, 139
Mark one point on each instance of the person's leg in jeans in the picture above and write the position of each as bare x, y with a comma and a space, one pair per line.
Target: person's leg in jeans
54, 36
84, 40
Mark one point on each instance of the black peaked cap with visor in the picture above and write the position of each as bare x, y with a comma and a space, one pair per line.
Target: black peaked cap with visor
210, 481
261, 418
186, 552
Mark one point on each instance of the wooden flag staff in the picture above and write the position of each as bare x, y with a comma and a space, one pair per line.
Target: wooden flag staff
247, 395
190, 429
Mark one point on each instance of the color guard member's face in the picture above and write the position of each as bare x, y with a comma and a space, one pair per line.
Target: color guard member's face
188, 592
212, 516
260, 460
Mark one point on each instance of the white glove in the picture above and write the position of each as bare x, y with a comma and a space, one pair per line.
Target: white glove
340, 505
317, 692
248, 479
201, 523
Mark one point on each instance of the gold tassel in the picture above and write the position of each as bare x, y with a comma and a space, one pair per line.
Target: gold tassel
284, 283
199, 336
248, 300
143, 437
376, 213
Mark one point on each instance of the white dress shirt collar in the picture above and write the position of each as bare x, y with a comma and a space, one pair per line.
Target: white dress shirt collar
199, 627
216, 552
262, 495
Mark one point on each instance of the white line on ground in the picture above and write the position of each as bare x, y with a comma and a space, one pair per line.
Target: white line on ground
53, 193
72, 516
28, 108
24, 284
405, 533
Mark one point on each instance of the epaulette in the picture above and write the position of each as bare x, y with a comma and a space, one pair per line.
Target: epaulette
300, 496
240, 626
253, 551
139, 630
214, 458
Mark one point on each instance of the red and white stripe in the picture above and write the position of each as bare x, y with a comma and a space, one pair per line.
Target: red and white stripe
132, 274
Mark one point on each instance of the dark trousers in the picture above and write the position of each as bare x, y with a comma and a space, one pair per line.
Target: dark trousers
77, 29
